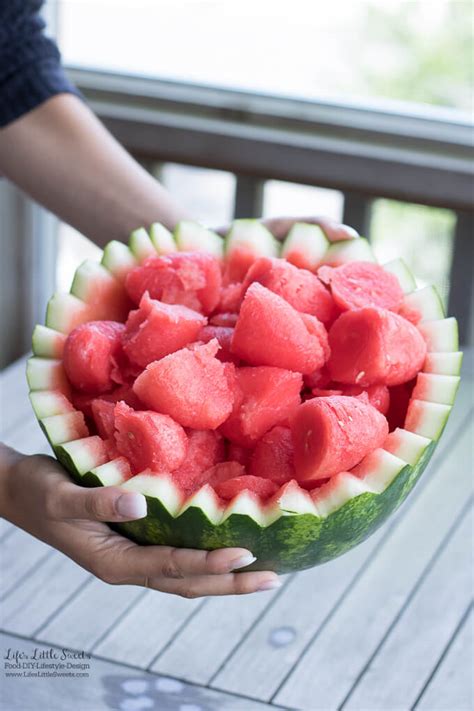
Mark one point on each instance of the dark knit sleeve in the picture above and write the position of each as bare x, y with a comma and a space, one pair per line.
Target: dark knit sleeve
30, 63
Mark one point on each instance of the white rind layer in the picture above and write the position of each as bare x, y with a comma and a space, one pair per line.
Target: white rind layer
306, 240
191, 236
141, 245
427, 302
162, 239
47, 342
252, 236
441, 336
398, 268
349, 250
118, 259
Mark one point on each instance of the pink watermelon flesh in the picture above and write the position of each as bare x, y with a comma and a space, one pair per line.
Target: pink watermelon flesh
273, 456
192, 279
88, 355
374, 346
107, 300
149, 440
269, 331
103, 414
156, 330
191, 386
298, 287
223, 335
410, 313
323, 392
230, 298
228, 320
356, 285
378, 395
222, 471
237, 453
264, 488
237, 264
333, 434
318, 378
83, 402
205, 449
264, 397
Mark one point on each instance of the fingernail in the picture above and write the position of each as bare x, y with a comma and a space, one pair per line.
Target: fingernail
131, 506
241, 562
269, 585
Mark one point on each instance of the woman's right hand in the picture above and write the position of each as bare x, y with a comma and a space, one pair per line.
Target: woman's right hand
38, 496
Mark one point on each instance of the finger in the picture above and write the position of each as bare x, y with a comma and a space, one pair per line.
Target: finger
334, 231
230, 584
135, 563
109, 503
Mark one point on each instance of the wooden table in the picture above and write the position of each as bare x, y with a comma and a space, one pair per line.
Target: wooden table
386, 627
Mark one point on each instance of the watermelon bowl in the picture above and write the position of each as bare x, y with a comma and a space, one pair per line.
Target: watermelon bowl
284, 397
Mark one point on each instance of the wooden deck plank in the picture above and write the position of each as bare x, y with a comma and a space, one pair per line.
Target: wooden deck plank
326, 673
157, 617
108, 686
89, 615
416, 643
276, 642
41, 594
211, 634
451, 686
19, 552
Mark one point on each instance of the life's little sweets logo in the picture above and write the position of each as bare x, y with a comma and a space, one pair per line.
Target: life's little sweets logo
46, 662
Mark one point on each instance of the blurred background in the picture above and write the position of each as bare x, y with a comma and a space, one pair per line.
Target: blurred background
360, 110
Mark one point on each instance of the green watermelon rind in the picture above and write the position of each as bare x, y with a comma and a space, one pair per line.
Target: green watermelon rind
290, 541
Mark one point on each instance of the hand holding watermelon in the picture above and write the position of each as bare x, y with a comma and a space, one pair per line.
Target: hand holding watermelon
39, 497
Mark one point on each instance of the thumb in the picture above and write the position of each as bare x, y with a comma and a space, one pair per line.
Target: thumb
108, 503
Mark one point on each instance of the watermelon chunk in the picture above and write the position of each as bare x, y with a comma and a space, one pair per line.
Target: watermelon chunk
222, 471
378, 395
156, 330
88, 353
149, 440
326, 392
237, 453
191, 386
192, 279
298, 287
264, 397
358, 284
333, 434
205, 449
223, 335
83, 401
269, 331
273, 456
374, 346
264, 488
230, 298
103, 414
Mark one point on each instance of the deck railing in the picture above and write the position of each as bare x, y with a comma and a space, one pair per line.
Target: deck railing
422, 157
425, 156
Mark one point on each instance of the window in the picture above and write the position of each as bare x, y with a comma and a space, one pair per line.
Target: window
404, 51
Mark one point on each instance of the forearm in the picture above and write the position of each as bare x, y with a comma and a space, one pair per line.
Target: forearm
63, 157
